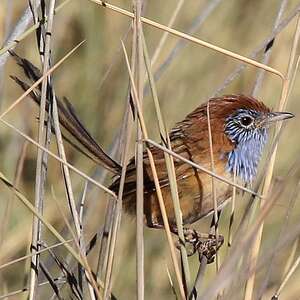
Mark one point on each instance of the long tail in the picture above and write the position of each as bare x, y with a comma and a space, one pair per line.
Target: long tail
68, 118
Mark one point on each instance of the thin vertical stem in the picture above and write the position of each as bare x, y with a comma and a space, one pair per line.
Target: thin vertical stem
190, 38
104, 240
111, 205
238, 70
19, 28
116, 219
171, 171
199, 279
268, 51
139, 159
233, 198
17, 36
287, 277
68, 186
214, 191
269, 174
156, 182
179, 46
165, 34
283, 232
6, 217
40, 166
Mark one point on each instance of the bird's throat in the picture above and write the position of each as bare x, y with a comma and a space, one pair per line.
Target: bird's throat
244, 159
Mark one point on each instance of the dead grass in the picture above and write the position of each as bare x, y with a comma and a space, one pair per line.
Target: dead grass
95, 77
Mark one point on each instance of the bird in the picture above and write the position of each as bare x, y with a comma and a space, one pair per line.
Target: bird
239, 129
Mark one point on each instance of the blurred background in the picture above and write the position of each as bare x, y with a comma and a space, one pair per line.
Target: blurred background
95, 80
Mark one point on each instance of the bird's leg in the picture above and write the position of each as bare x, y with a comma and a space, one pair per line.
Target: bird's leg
204, 243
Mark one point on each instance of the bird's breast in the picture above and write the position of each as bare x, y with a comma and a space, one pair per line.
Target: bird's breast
196, 193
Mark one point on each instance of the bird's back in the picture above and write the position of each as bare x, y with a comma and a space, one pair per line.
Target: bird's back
190, 139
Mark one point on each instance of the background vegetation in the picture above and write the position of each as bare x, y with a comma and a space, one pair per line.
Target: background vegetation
95, 80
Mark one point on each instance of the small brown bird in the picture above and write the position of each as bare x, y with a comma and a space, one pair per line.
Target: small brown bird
239, 132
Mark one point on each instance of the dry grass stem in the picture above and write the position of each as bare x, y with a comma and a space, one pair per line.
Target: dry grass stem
41, 161
5, 265
165, 34
196, 24
77, 171
202, 168
139, 156
269, 173
156, 182
25, 289
84, 260
232, 211
283, 232
13, 40
33, 210
214, 191
116, 214
191, 39
245, 238
200, 277
92, 285
268, 51
171, 171
270, 39
9, 205
22, 97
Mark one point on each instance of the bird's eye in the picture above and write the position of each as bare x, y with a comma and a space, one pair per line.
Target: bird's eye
246, 121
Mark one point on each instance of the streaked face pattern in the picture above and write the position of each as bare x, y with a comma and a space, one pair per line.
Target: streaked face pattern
248, 130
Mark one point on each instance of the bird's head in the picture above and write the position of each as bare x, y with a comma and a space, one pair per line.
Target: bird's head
246, 124
239, 128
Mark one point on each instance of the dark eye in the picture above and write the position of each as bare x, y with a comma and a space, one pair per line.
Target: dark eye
246, 121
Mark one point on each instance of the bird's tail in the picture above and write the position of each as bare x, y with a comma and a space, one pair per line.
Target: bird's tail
68, 118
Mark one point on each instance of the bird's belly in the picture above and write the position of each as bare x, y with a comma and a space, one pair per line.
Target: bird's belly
195, 197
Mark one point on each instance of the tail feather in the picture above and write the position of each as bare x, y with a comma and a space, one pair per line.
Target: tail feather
67, 117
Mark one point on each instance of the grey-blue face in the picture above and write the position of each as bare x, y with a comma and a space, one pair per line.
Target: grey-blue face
248, 130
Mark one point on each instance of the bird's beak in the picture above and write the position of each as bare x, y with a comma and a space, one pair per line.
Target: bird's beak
279, 116
273, 117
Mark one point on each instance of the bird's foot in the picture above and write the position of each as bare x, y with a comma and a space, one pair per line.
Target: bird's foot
205, 244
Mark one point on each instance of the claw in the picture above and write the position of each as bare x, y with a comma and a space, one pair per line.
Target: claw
203, 243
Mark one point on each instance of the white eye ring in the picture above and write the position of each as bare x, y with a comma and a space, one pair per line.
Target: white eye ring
246, 121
